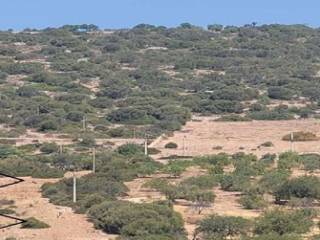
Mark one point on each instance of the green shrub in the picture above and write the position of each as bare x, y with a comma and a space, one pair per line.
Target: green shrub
130, 149
153, 151
268, 159
288, 160
300, 137
284, 222
273, 180
267, 144
220, 227
280, 93
252, 201
310, 162
232, 118
34, 223
48, 125
7, 211
202, 182
49, 148
88, 140
137, 220
301, 187
171, 145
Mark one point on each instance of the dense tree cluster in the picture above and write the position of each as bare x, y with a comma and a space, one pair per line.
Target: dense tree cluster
153, 76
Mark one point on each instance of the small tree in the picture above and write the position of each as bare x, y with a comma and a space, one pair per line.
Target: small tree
174, 170
200, 199
48, 125
219, 227
49, 148
284, 222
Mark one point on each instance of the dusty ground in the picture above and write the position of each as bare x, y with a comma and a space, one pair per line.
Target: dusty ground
226, 203
32, 136
29, 203
202, 135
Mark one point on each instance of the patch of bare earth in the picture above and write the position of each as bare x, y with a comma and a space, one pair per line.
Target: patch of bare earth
292, 103
16, 80
32, 136
199, 72
64, 223
93, 85
202, 136
226, 203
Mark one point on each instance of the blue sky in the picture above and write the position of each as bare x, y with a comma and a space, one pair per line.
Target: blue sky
19, 14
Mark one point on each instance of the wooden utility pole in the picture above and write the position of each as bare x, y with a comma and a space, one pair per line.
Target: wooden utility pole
93, 160
291, 141
146, 145
84, 123
60, 149
74, 188
184, 146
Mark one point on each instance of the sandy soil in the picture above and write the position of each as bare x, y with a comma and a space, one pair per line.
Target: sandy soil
32, 136
226, 203
93, 85
16, 80
202, 136
29, 203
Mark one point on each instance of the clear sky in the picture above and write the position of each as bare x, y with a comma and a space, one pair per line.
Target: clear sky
19, 14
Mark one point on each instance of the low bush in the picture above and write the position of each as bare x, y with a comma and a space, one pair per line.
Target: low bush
171, 145
138, 221
310, 162
202, 182
7, 211
34, 223
284, 222
300, 137
233, 118
267, 144
221, 227
130, 149
301, 187
252, 201
288, 160
49, 148
153, 151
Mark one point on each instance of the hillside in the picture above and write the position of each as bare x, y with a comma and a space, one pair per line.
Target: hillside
155, 77
156, 133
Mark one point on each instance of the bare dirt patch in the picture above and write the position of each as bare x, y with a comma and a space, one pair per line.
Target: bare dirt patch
202, 135
16, 80
93, 85
292, 103
64, 223
32, 136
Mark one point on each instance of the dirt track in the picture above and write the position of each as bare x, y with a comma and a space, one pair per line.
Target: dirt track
29, 203
204, 135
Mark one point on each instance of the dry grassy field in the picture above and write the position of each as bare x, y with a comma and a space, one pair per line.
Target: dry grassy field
203, 136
